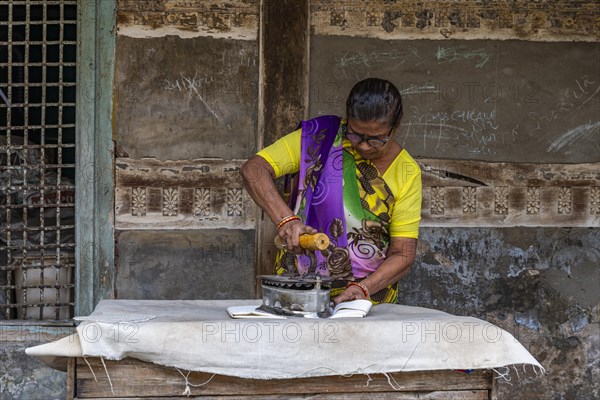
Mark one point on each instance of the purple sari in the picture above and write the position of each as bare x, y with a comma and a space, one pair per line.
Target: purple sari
342, 195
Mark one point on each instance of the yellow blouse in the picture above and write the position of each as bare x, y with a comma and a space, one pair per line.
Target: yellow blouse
403, 177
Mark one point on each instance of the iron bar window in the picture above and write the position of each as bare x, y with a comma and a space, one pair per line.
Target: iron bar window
38, 41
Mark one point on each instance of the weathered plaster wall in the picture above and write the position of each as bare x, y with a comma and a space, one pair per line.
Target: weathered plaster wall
201, 102
186, 114
187, 265
485, 100
22, 377
540, 284
186, 79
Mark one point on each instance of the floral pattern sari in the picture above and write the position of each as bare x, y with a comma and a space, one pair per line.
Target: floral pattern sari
342, 195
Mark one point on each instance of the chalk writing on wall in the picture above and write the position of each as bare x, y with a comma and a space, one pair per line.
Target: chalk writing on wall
479, 100
203, 92
475, 130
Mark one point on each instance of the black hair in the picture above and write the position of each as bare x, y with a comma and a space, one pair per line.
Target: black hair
375, 99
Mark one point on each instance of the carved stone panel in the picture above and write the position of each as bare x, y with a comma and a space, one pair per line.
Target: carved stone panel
237, 19
412, 19
208, 193
196, 194
478, 194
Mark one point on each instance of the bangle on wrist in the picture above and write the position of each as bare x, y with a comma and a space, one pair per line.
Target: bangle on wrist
284, 218
362, 287
287, 219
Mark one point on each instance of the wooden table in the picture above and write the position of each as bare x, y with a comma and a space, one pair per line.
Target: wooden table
132, 378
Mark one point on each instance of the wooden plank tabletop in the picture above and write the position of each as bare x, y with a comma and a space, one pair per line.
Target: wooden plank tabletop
131, 378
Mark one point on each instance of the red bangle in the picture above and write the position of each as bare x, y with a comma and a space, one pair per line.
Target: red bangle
286, 220
361, 286
281, 220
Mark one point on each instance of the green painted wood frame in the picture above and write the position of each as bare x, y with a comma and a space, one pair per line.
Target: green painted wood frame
94, 221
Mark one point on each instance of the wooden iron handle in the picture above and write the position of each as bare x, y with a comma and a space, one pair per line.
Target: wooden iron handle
318, 241
308, 241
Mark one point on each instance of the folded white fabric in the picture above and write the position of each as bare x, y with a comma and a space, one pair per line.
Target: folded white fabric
56, 354
200, 336
116, 318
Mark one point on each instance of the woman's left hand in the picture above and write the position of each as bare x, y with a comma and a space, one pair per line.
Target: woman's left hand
351, 293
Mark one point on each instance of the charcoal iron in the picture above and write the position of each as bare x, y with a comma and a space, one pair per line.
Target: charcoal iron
295, 295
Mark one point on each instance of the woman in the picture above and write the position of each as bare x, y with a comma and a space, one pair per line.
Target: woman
356, 184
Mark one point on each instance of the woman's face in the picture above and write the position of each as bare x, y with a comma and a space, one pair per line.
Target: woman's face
368, 130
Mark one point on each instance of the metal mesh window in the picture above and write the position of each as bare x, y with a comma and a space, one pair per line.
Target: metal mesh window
37, 158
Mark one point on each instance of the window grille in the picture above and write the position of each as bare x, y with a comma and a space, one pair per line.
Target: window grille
37, 158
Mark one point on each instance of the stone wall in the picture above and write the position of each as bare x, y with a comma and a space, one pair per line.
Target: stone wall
22, 377
540, 284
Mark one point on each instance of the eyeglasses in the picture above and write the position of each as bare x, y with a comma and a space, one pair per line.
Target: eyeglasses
358, 138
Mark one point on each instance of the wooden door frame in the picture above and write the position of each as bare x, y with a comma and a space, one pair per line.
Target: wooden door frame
94, 199
284, 53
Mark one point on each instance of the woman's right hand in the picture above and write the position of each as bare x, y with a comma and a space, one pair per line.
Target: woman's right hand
351, 293
289, 235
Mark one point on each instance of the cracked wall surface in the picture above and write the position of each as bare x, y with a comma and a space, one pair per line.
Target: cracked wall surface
540, 284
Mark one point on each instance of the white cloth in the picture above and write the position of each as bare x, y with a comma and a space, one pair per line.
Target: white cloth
200, 336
